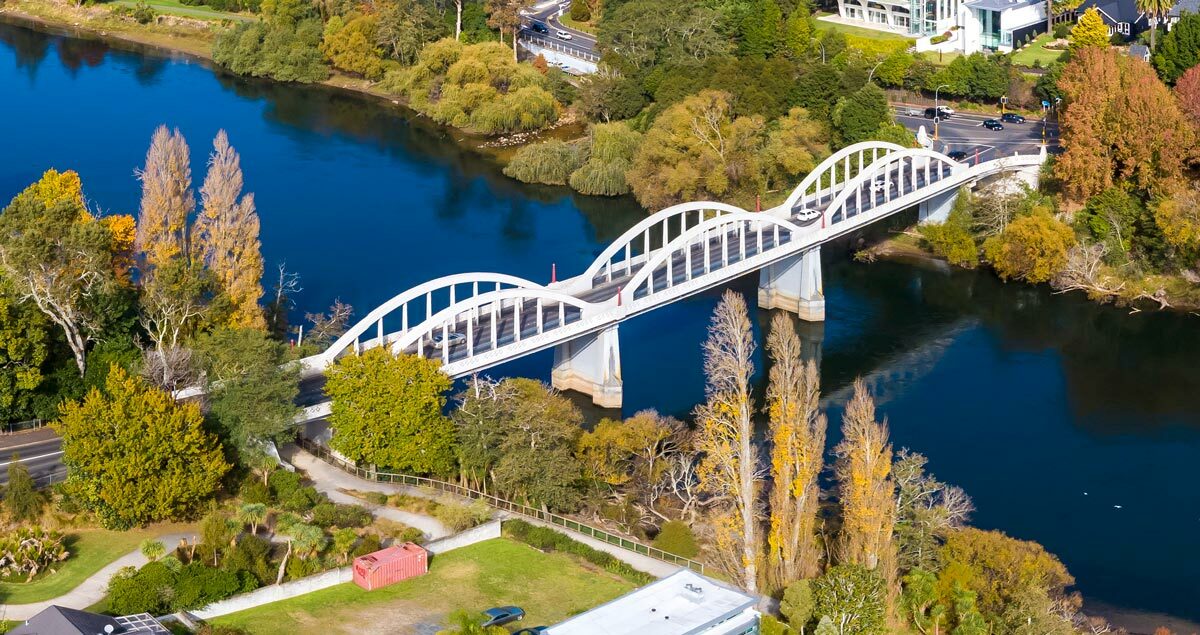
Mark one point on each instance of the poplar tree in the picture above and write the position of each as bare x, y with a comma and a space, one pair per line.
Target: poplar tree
797, 432
20, 495
729, 470
865, 487
226, 235
167, 201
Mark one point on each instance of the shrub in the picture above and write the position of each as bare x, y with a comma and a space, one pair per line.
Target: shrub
302, 500
145, 590
335, 515
610, 155
547, 539
282, 51
253, 491
29, 550
457, 516
551, 162
369, 544
375, 498
676, 537
1062, 30
1032, 248
282, 484
198, 585
253, 555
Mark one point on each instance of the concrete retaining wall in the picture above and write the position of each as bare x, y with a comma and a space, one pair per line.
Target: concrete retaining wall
486, 531
277, 592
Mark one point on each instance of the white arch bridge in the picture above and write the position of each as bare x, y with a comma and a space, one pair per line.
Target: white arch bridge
473, 321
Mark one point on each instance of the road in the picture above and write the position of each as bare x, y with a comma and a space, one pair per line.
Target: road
965, 132
581, 44
39, 450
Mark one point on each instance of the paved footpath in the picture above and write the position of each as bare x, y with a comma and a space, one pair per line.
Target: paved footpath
329, 479
92, 589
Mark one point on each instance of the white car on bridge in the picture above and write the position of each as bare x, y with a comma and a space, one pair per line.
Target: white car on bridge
562, 35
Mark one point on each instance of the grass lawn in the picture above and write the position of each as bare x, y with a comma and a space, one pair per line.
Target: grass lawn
91, 550
174, 7
550, 587
825, 25
941, 58
578, 26
1037, 52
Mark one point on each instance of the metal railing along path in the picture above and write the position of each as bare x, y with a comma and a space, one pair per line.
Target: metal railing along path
527, 37
496, 502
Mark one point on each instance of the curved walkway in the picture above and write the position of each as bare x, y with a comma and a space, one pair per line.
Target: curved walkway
330, 481
91, 590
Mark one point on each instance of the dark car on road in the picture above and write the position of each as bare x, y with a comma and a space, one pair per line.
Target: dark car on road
540, 27
940, 112
992, 124
536, 630
502, 615
957, 155
1012, 117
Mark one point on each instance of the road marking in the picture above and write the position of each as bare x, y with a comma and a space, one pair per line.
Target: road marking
25, 445
32, 458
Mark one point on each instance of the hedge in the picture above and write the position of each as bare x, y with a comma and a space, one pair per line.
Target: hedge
547, 539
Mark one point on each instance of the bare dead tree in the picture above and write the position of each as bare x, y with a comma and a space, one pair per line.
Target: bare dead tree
327, 327
171, 368
1085, 272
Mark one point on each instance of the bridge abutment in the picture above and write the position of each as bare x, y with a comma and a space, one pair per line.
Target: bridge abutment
937, 208
794, 285
591, 364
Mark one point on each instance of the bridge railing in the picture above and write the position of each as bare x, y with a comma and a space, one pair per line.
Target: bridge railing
496, 502
546, 43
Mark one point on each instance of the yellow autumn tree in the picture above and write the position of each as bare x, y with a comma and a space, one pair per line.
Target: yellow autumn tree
56, 187
865, 488
797, 431
1089, 31
167, 201
729, 470
124, 233
226, 235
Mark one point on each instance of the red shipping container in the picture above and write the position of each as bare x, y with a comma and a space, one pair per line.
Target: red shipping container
391, 565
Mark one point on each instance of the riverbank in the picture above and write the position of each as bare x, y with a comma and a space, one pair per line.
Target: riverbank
194, 38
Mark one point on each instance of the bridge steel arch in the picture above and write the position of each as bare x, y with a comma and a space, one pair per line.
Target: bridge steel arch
822, 180
401, 302
722, 226
494, 306
908, 162
602, 266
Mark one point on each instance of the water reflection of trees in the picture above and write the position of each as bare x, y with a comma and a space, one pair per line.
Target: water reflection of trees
29, 47
1122, 372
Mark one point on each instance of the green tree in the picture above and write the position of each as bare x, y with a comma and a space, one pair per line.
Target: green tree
968, 620
1180, 48
349, 43
1032, 248
253, 514
134, 455
858, 116
852, 597
1090, 31
798, 604
20, 497
610, 151
251, 392
825, 626
519, 437
60, 258
406, 26
920, 603
387, 411
798, 32
24, 351
550, 162
952, 239
281, 50
996, 568
762, 28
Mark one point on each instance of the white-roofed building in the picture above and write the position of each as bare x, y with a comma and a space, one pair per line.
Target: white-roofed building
684, 603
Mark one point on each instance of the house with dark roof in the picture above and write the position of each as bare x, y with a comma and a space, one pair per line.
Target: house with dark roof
1181, 7
1121, 16
59, 620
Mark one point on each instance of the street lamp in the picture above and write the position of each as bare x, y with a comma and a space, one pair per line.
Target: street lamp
820, 44
937, 113
872, 73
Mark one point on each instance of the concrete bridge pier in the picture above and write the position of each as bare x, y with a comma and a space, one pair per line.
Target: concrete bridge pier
591, 364
794, 285
937, 209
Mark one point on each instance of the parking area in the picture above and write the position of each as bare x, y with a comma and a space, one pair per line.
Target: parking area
965, 132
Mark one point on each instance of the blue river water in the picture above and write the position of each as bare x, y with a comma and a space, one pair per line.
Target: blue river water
1074, 425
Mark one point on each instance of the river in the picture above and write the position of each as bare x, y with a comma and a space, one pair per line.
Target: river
1074, 425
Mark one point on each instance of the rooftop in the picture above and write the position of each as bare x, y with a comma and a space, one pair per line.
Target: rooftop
680, 604
59, 620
